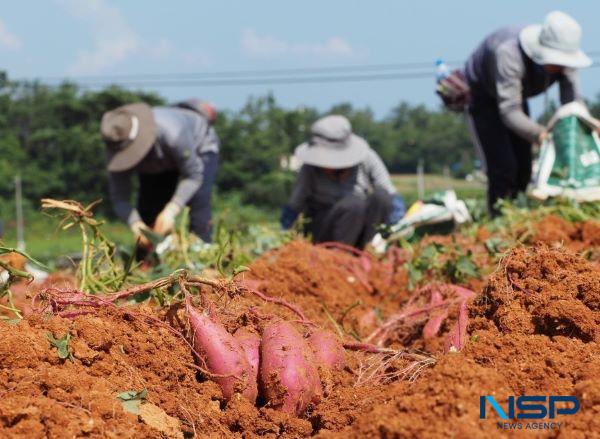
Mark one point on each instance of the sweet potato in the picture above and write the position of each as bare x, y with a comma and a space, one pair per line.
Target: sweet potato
223, 355
288, 377
328, 349
250, 342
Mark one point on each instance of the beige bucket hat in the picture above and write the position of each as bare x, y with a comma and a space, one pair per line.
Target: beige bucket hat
129, 133
332, 145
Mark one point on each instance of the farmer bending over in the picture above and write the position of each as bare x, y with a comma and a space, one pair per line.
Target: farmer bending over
509, 66
343, 187
174, 152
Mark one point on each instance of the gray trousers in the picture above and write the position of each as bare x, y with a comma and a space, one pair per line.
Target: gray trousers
352, 220
156, 191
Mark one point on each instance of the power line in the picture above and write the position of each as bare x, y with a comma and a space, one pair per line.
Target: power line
374, 68
267, 81
288, 76
254, 73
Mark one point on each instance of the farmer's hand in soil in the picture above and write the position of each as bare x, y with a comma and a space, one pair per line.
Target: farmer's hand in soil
140, 237
166, 219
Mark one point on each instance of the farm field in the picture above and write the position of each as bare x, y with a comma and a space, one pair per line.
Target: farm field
299, 221
47, 242
413, 337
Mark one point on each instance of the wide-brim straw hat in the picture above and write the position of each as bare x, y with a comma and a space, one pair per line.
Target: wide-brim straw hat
129, 133
556, 41
332, 145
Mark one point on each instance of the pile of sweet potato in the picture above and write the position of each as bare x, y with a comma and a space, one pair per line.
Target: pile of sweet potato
279, 363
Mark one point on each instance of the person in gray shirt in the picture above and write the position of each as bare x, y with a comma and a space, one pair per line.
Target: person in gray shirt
509, 66
343, 187
173, 151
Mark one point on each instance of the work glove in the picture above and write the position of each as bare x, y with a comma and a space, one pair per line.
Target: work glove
398, 210
137, 229
288, 216
543, 136
165, 221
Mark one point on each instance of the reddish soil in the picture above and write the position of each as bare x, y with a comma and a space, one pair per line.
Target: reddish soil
23, 291
578, 237
534, 329
320, 279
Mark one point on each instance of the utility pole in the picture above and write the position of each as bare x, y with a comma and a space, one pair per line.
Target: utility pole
19, 205
447, 177
421, 179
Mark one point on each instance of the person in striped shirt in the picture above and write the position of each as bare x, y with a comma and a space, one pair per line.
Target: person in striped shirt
343, 187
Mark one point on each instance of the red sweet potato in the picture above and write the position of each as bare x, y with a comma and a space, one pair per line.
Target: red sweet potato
288, 377
328, 349
250, 342
223, 355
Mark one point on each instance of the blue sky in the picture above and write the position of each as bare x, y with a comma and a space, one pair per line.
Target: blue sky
56, 38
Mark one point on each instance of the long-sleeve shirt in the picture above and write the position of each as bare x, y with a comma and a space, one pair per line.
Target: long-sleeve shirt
500, 69
314, 185
182, 135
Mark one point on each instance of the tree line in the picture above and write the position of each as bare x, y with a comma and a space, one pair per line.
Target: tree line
50, 136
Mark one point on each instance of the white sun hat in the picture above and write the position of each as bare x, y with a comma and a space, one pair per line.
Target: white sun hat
555, 42
332, 144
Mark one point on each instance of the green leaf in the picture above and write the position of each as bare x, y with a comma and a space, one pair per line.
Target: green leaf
142, 297
61, 345
131, 400
494, 245
430, 252
466, 267
414, 276
240, 269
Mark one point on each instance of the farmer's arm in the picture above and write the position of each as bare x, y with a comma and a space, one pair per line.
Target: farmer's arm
569, 87
297, 201
190, 167
182, 137
380, 177
211, 141
301, 190
509, 73
378, 173
120, 189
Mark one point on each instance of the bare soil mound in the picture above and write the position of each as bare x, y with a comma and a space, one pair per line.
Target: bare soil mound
549, 348
533, 328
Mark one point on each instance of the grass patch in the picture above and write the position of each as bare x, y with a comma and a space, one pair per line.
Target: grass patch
408, 188
47, 242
